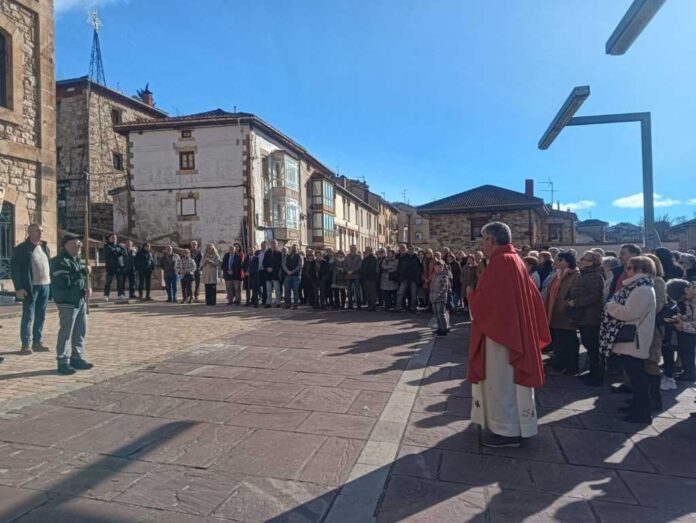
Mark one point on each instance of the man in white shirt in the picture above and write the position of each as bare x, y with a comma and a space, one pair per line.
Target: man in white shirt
31, 276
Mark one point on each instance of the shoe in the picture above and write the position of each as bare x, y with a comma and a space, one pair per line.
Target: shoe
594, 382
685, 377
247, 304
495, 441
278, 306
40, 347
294, 307
66, 369
267, 306
131, 297
667, 383
621, 389
106, 298
80, 364
25, 350
121, 297
440, 333
2, 358
569, 372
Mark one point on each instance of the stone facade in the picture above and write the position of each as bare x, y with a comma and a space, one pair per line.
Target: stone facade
87, 142
412, 228
529, 227
27, 123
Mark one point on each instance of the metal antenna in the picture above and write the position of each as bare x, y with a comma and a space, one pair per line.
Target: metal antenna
550, 189
96, 66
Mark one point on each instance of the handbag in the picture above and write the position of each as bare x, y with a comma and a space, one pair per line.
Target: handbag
626, 334
574, 313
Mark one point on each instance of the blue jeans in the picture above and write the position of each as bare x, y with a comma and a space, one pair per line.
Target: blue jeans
171, 281
292, 283
34, 310
354, 293
270, 285
73, 327
412, 289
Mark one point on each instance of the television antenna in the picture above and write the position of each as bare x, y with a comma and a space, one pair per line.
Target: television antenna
550, 189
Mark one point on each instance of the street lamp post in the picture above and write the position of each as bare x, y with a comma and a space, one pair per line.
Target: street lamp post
631, 25
565, 117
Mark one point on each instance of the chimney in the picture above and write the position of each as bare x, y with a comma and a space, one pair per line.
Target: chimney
529, 187
148, 98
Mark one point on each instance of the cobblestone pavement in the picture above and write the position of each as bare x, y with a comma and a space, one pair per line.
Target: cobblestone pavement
340, 417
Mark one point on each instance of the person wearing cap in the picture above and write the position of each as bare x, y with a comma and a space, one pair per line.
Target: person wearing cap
70, 288
32, 281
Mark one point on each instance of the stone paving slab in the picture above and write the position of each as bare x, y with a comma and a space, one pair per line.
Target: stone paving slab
355, 419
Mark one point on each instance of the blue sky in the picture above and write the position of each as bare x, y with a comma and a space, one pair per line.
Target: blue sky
433, 97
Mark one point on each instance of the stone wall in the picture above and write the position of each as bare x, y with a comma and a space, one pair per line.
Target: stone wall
454, 230
84, 136
27, 123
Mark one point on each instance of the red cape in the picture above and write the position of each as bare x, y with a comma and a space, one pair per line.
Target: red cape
507, 307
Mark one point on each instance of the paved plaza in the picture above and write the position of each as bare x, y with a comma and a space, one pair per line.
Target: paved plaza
196, 414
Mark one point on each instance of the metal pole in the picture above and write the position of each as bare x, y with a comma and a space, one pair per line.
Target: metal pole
86, 242
648, 203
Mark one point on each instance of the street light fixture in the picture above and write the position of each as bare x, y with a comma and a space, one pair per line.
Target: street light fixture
577, 97
565, 118
631, 25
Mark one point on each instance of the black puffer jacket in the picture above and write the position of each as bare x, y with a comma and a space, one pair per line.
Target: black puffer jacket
409, 267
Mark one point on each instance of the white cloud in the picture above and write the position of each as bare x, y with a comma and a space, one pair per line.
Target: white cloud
579, 205
635, 201
691, 201
66, 5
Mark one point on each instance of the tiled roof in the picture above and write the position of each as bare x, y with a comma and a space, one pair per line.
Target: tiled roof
84, 81
590, 223
626, 225
484, 198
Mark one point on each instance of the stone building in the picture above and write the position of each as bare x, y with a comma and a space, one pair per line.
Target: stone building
86, 142
625, 232
412, 228
456, 221
592, 230
27, 124
217, 177
684, 233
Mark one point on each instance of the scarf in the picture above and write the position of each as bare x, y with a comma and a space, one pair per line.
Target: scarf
610, 326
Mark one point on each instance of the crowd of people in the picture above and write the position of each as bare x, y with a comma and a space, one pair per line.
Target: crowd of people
634, 312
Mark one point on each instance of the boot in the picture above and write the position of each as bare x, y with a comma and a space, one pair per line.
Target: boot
40, 347
26, 350
65, 368
80, 364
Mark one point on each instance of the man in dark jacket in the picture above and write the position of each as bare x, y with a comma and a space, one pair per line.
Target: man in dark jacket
409, 276
70, 287
129, 269
232, 266
197, 256
322, 278
253, 285
145, 265
272, 262
31, 277
353, 264
115, 261
628, 251
369, 276
309, 279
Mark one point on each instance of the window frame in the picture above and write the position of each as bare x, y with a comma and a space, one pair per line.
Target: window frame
117, 160
186, 133
476, 224
184, 165
559, 228
181, 207
118, 113
5, 69
295, 183
294, 221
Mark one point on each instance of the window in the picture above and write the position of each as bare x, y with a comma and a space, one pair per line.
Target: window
419, 221
328, 195
419, 236
5, 74
346, 210
369, 221
316, 192
292, 214
328, 226
187, 161
118, 161
555, 232
476, 225
291, 174
317, 225
187, 207
116, 116
186, 133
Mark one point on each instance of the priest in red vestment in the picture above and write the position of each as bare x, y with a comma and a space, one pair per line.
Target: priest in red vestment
508, 331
